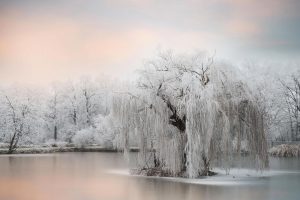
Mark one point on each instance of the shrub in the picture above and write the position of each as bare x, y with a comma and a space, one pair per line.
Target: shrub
285, 150
84, 137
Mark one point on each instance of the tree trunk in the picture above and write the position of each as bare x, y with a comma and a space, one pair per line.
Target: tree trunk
205, 171
55, 133
12, 144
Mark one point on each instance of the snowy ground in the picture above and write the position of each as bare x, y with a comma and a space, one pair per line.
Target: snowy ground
236, 177
41, 149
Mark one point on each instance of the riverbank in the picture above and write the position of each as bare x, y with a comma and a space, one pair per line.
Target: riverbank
39, 149
284, 150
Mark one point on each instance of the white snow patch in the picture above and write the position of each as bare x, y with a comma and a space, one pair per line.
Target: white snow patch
236, 177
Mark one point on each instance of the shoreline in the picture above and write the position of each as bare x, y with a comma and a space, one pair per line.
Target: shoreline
285, 151
42, 150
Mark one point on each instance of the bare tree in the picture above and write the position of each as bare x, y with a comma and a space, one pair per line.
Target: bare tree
17, 115
291, 93
52, 114
88, 95
71, 103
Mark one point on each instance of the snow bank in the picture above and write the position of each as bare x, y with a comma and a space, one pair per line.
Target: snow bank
285, 150
41, 150
236, 177
53, 143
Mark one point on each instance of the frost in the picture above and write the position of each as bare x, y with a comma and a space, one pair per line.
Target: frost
285, 150
187, 113
53, 143
84, 137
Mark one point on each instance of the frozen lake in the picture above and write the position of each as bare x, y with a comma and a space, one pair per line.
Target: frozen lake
90, 176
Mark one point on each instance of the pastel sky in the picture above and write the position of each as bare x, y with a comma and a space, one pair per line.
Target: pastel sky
46, 40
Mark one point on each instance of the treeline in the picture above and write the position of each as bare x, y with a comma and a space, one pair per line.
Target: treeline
79, 112
71, 112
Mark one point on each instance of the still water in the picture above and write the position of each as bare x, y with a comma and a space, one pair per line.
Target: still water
88, 176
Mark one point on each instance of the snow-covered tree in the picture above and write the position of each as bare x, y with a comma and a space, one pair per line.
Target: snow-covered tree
92, 101
291, 109
19, 116
88, 96
52, 114
187, 112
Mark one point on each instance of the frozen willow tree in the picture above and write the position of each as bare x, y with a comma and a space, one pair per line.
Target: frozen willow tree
190, 115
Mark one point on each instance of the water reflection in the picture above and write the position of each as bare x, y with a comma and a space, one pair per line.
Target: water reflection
83, 176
